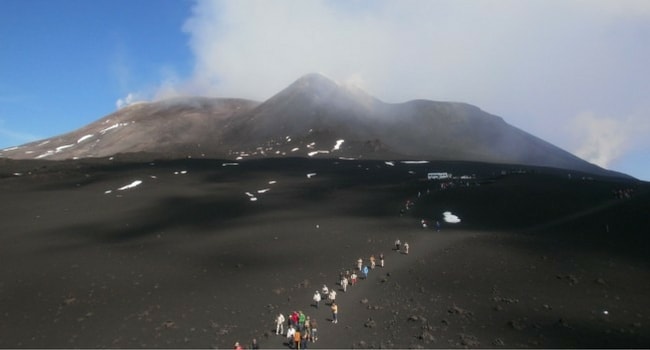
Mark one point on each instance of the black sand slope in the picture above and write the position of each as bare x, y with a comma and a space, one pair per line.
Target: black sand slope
185, 259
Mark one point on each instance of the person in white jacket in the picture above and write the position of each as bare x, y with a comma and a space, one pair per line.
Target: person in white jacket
332, 296
279, 324
344, 284
317, 298
290, 333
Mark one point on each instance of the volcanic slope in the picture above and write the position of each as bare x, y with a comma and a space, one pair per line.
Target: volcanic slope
124, 253
313, 117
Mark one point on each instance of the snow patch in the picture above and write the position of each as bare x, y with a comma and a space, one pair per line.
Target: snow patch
311, 154
131, 185
338, 144
263, 190
390, 163
10, 149
182, 172
415, 162
295, 149
272, 182
84, 138
61, 148
229, 164
310, 175
450, 218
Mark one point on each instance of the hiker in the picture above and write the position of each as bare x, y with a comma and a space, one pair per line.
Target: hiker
301, 321
344, 284
297, 337
332, 296
314, 331
237, 346
437, 226
359, 263
294, 319
335, 313
279, 324
424, 223
353, 278
372, 262
406, 248
304, 340
254, 344
317, 298
365, 272
290, 333
381, 259
324, 291
397, 244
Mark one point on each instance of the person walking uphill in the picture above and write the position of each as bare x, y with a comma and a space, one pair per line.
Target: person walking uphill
317, 299
406, 248
335, 313
279, 324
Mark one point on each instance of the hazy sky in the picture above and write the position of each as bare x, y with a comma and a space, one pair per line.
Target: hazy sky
575, 73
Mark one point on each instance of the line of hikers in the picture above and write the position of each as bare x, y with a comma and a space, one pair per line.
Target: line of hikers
302, 329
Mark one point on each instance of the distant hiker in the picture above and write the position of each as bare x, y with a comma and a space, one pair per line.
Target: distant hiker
424, 223
344, 284
317, 299
304, 341
254, 344
381, 259
335, 313
359, 263
353, 278
365, 272
297, 337
397, 244
290, 333
301, 321
324, 291
314, 331
437, 226
237, 346
372, 262
406, 248
279, 324
332, 296
294, 319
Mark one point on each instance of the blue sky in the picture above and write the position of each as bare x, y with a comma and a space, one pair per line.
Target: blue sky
572, 72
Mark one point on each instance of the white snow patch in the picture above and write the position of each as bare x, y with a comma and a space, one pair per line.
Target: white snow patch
347, 158
390, 163
311, 145
131, 185
295, 149
338, 145
250, 194
84, 138
182, 172
18, 174
108, 191
311, 154
44, 143
415, 161
46, 154
229, 164
114, 126
310, 175
253, 199
272, 182
239, 158
450, 218
61, 148
263, 190
10, 149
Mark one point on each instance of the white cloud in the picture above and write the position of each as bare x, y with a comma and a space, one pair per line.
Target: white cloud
129, 99
605, 140
537, 63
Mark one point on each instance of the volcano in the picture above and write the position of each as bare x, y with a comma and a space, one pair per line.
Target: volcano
313, 117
